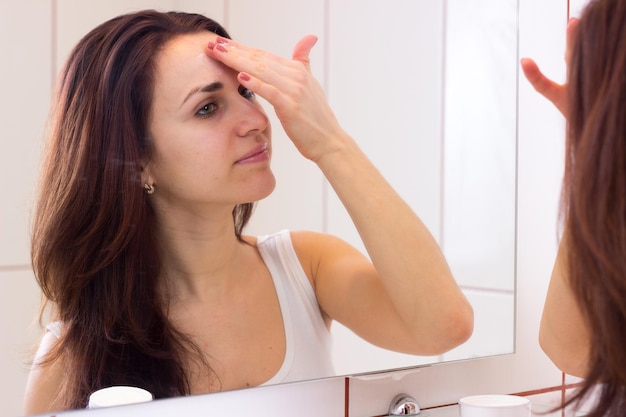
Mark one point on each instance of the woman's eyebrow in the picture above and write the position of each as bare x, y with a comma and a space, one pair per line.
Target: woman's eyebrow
209, 88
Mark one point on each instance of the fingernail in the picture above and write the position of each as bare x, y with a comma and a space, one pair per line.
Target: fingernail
221, 48
221, 41
211, 45
244, 77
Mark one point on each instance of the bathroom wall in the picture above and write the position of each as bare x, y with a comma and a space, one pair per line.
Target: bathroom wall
34, 35
25, 83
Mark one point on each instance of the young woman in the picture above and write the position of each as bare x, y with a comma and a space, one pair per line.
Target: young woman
158, 148
582, 327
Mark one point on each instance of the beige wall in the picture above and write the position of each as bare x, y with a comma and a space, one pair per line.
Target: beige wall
25, 80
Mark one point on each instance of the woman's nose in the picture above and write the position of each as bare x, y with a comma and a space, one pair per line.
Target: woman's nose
252, 117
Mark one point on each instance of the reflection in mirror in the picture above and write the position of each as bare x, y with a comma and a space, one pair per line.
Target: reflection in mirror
479, 203
439, 120
428, 90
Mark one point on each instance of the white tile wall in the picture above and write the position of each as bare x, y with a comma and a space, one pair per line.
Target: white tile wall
385, 85
478, 206
25, 82
576, 6
18, 307
70, 28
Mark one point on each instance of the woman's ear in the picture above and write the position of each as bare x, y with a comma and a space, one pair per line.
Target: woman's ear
146, 177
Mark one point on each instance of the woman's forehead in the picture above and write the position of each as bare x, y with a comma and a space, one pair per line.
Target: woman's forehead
184, 50
183, 64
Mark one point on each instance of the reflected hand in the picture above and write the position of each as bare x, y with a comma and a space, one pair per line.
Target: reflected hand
556, 93
289, 86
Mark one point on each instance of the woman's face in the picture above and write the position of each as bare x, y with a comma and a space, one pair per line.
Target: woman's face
211, 139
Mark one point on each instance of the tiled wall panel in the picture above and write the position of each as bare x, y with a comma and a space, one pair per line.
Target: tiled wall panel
385, 86
25, 82
18, 307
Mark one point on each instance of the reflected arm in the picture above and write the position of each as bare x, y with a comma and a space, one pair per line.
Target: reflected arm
411, 284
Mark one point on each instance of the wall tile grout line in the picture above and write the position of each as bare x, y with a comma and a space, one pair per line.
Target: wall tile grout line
346, 401
14, 268
563, 374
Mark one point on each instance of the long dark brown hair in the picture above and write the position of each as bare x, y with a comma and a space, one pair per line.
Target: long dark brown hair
94, 250
594, 198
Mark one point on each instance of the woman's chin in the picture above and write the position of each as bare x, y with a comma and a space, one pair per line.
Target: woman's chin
264, 189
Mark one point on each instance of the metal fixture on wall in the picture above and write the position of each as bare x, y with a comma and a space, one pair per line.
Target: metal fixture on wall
403, 405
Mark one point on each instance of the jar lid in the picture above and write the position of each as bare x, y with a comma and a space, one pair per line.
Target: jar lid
118, 395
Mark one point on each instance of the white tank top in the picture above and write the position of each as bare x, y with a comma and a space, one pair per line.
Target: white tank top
308, 352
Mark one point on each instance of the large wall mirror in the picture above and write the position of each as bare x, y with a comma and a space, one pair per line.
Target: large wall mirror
428, 89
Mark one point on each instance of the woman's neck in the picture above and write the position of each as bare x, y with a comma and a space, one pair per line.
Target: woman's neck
200, 258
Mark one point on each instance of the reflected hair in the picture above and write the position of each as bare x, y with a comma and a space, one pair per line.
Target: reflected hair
594, 198
94, 250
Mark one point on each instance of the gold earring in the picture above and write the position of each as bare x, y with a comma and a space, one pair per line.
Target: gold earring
149, 188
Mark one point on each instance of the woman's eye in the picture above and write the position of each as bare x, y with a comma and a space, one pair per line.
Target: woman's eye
245, 93
207, 110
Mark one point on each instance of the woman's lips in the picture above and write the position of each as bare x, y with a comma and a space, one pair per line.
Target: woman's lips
258, 155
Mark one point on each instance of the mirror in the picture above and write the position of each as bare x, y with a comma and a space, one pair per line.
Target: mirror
428, 88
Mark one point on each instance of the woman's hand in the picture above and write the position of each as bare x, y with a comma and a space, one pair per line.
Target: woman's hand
556, 93
289, 86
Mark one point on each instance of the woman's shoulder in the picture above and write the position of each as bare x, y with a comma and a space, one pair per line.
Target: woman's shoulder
301, 239
309, 246
313, 239
316, 248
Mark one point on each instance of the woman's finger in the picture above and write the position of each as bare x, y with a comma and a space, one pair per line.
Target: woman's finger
551, 90
253, 61
303, 48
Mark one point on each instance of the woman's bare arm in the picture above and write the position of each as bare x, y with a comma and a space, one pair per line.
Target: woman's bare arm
563, 333
42, 387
